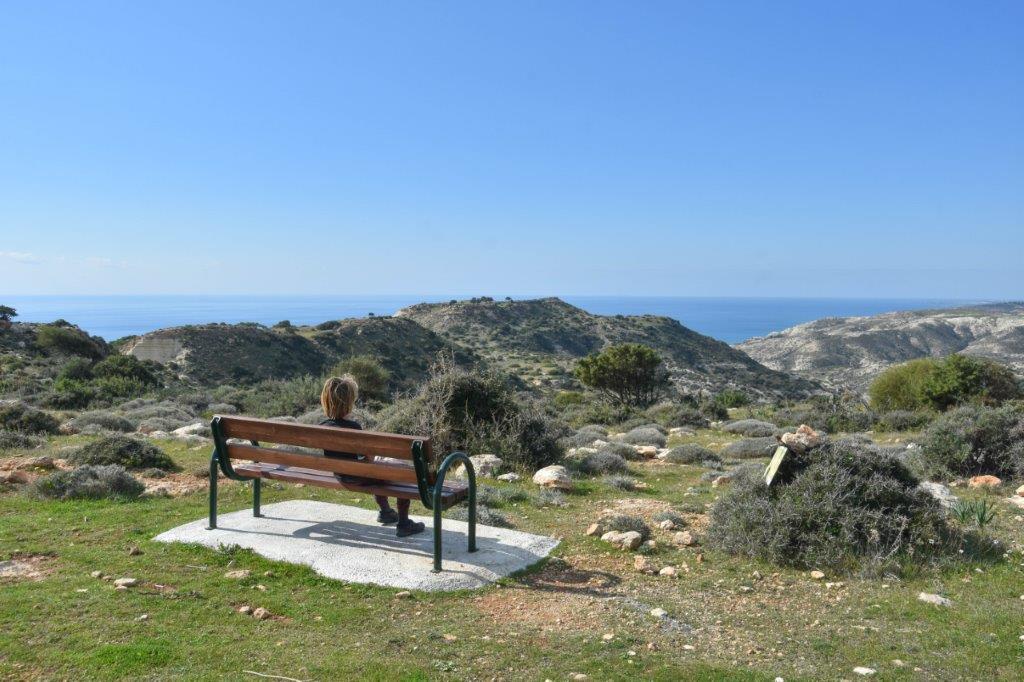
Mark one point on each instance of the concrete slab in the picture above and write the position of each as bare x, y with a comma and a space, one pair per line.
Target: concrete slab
347, 543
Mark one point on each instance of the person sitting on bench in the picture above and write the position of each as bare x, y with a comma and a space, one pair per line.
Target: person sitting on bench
338, 399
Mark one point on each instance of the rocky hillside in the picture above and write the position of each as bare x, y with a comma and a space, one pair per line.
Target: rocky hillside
851, 351
541, 339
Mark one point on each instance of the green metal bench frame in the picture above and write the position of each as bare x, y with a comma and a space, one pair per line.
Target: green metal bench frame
430, 494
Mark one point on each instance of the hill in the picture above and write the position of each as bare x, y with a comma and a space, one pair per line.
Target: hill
541, 339
851, 351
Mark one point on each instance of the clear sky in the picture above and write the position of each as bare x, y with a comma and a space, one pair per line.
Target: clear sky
552, 147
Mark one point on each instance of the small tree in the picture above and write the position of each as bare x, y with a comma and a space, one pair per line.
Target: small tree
627, 374
7, 312
371, 376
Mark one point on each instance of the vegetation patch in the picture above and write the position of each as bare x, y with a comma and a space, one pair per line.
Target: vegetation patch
974, 440
130, 453
17, 416
89, 482
690, 453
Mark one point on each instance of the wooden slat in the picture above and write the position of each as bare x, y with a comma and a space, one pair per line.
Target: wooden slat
322, 437
383, 471
452, 493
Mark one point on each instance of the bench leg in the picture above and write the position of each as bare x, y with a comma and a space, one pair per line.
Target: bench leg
472, 518
213, 494
256, 486
437, 538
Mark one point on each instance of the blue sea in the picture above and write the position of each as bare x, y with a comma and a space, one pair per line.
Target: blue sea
729, 319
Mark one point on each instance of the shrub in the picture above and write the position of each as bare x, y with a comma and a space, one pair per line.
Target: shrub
836, 507
618, 482
903, 420
624, 523
626, 374
76, 369
750, 427
602, 462
671, 415
130, 453
585, 436
104, 420
280, 397
70, 394
16, 440
973, 440
371, 376
89, 482
731, 397
68, 340
17, 416
677, 520
484, 515
549, 497
125, 367
928, 383
645, 435
750, 448
690, 453
489, 496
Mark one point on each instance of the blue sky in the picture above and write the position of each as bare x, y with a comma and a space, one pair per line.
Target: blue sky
678, 148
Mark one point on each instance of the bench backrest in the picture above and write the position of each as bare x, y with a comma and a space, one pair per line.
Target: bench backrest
368, 443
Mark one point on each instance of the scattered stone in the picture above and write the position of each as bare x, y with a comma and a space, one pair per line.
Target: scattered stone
134, 551
940, 492
125, 583
42, 462
554, 476
197, 429
817, 575
486, 466
627, 541
669, 572
96, 574
143, 617
864, 671
898, 663
509, 477
667, 524
594, 529
684, 538
659, 613
608, 636
721, 480
579, 677
746, 588
836, 585
643, 564
245, 610
646, 451
1020, 491
802, 440
1016, 500
404, 594
936, 599
239, 574
261, 614
13, 477
985, 481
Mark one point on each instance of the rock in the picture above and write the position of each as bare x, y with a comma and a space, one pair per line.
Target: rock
669, 572
1016, 500
646, 451
864, 672
245, 610
238, 574
594, 529
721, 480
680, 431
134, 551
486, 466
749, 448
936, 599
554, 476
14, 477
509, 477
143, 617
684, 538
1020, 491
42, 462
404, 594
667, 524
643, 565
986, 481
940, 492
261, 614
197, 429
817, 575
752, 428
626, 541
579, 677
96, 574
659, 613
125, 583
802, 440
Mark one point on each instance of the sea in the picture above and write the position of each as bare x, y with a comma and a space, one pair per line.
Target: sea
729, 319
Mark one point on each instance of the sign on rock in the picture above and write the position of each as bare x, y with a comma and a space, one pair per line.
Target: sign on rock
773, 466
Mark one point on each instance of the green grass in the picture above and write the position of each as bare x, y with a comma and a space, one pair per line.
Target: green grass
546, 623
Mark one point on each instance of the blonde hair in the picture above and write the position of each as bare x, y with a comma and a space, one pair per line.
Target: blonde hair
339, 396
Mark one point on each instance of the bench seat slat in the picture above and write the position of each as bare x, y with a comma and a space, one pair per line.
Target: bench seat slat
386, 471
321, 437
452, 493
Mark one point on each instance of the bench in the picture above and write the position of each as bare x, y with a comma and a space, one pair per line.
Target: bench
243, 438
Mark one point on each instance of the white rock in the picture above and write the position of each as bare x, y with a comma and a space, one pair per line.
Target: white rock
936, 599
684, 538
864, 671
817, 575
1020, 491
486, 466
646, 451
126, 582
554, 476
1016, 500
509, 477
659, 613
240, 574
191, 430
669, 572
940, 492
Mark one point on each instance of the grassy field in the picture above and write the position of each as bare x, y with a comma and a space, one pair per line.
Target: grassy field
585, 611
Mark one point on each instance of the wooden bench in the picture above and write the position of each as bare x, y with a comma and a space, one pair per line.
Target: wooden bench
420, 480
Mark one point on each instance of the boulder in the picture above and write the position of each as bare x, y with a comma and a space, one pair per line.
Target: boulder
1016, 501
509, 477
197, 429
42, 462
627, 541
985, 481
13, 477
752, 428
935, 599
939, 492
646, 451
554, 476
1020, 491
684, 538
802, 440
486, 466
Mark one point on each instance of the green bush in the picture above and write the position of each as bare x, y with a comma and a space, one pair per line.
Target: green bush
731, 397
17, 416
126, 367
371, 376
671, 415
16, 440
618, 482
626, 374
929, 383
549, 497
677, 520
903, 420
690, 453
68, 340
130, 453
76, 369
838, 507
103, 420
645, 435
70, 394
279, 397
972, 440
89, 482
602, 462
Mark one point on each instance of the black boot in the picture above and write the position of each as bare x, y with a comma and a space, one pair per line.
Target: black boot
407, 527
387, 516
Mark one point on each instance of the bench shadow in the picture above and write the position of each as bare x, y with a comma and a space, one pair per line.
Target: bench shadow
490, 552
